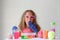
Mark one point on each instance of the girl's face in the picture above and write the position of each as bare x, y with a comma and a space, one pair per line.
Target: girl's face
29, 17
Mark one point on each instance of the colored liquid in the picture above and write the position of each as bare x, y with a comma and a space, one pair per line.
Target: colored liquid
17, 35
51, 35
40, 34
45, 34
27, 37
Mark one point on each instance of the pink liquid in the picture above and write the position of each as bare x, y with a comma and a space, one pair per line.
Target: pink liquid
17, 35
40, 34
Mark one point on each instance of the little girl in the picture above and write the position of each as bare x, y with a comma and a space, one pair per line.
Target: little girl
27, 18
28, 22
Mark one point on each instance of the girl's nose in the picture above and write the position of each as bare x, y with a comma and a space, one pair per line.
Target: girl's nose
29, 18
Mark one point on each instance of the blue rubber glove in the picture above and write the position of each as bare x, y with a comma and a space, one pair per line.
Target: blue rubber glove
32, 26
14, 28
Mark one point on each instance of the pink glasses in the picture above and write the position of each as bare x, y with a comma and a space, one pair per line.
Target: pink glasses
31, 16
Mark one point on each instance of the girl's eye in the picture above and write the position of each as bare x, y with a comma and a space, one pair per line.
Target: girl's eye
32, 16
26, 16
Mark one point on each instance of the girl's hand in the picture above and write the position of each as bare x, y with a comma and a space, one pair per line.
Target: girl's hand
32, 26
10, 37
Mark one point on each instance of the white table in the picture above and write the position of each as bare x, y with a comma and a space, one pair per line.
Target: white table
29, 39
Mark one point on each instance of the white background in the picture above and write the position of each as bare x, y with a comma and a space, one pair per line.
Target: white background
46, 11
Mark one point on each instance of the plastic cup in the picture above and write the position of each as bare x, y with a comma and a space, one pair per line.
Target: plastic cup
45, 34
17, 35
40, 34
